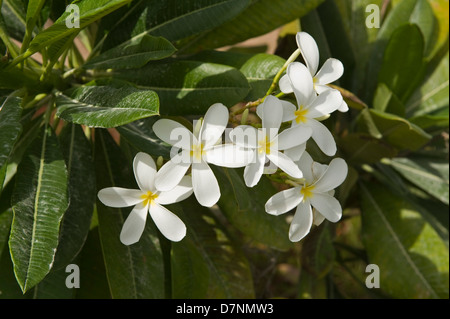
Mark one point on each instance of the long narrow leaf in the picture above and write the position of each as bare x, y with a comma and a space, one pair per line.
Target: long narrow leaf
39, 201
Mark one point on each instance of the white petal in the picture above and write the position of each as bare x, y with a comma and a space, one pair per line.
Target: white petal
333, 176
296, 153
169, 224
330, 71
301, 223
228, 155
144, 171
205, 185
134, 225
173, 133
318, 170
285, 84
325, 103
309, 50
254, 170
293, 137
318, 218
180, 192
343, 107
321, 88
272, 113
305, 163
323, 137
328, 206
285, 164
171, 173
302, 83
284, 201
288, 111
214, 124
120, 197
244, 136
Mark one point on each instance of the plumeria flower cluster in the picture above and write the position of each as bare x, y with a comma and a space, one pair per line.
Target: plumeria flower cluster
260, 150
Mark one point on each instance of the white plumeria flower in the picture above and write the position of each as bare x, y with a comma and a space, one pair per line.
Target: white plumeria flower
198, 150
267, 143
330, 71
314, 200
148, 199
310, 107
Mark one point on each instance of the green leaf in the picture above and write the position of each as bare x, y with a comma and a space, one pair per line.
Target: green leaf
327, 25
39, 201
33, 10
140, 135
54, 286
244, 209
190, 271
16, 78
5, 226
225, 270
134, 54
364, 148
14, 14
134, 271
318, 253
407, 11
8, 285
397, 131
433, 94
90, 11
106, 106
403, 65
75, 224
93, 280
258, 69
189, 87
342, 23
387, 101
260, 17
171, 19
412, 258
309, 287
10, 127
431, 176
432, 210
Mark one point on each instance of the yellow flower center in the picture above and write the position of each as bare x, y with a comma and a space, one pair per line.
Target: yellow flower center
148, 198
307, 191
300, 115
197, 151
264, 146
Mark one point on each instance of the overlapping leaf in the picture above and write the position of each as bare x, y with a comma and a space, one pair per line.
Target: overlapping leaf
412, 258
172, 19
106, 106
189, 87
134, 54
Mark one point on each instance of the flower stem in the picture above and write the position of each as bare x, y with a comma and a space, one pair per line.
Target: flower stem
281, 71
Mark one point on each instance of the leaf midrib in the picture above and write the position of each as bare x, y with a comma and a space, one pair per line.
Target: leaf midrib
36, 203
79, 104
